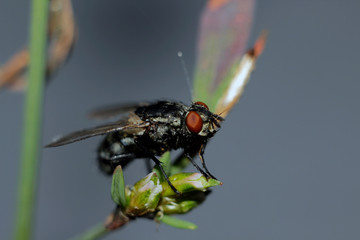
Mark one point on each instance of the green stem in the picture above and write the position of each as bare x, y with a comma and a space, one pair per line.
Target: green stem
32, 122
93, 233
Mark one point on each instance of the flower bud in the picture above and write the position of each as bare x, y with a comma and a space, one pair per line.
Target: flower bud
182, 204
145, 195
188, 182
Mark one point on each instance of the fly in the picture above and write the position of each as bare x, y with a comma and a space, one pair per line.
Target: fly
149, 131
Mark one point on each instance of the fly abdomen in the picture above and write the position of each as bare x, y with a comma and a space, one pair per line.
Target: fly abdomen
116, 149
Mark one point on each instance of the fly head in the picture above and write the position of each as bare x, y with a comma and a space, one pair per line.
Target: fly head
201, 122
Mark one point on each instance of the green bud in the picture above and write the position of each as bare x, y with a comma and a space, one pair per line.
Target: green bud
188, 182
145, 195
182, 204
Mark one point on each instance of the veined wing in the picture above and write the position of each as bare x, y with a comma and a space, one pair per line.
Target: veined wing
111, 111
224, 30
99, 130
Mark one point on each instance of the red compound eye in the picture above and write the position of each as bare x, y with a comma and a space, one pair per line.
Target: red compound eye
194, 122
202, 104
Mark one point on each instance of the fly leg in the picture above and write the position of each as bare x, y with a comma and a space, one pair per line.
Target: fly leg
157, 163
197, 166
201, 156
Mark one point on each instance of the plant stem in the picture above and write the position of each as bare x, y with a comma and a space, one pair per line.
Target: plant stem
32, 122
93, 233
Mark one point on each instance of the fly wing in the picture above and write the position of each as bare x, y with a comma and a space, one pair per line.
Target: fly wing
99, 130
115, 110
224, 30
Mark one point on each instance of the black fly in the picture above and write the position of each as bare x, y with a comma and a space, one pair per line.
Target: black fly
149, 131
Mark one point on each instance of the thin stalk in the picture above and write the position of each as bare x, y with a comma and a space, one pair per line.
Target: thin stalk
30, 152
93, 233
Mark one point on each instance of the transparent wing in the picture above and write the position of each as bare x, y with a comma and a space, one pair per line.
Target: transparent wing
115, 110
99, 130
224, 30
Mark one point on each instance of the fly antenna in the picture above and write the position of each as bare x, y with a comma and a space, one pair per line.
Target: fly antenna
180, 55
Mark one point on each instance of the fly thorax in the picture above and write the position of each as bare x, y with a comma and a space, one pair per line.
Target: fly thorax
163, 133
166, 126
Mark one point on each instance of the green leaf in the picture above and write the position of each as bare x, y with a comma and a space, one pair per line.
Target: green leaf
118, 188
223, 33
176, 222
166, 164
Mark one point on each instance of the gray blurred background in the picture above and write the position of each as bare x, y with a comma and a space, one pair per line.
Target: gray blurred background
288, 154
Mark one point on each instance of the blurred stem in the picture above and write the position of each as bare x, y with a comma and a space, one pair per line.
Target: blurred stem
93, 233
32, 122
